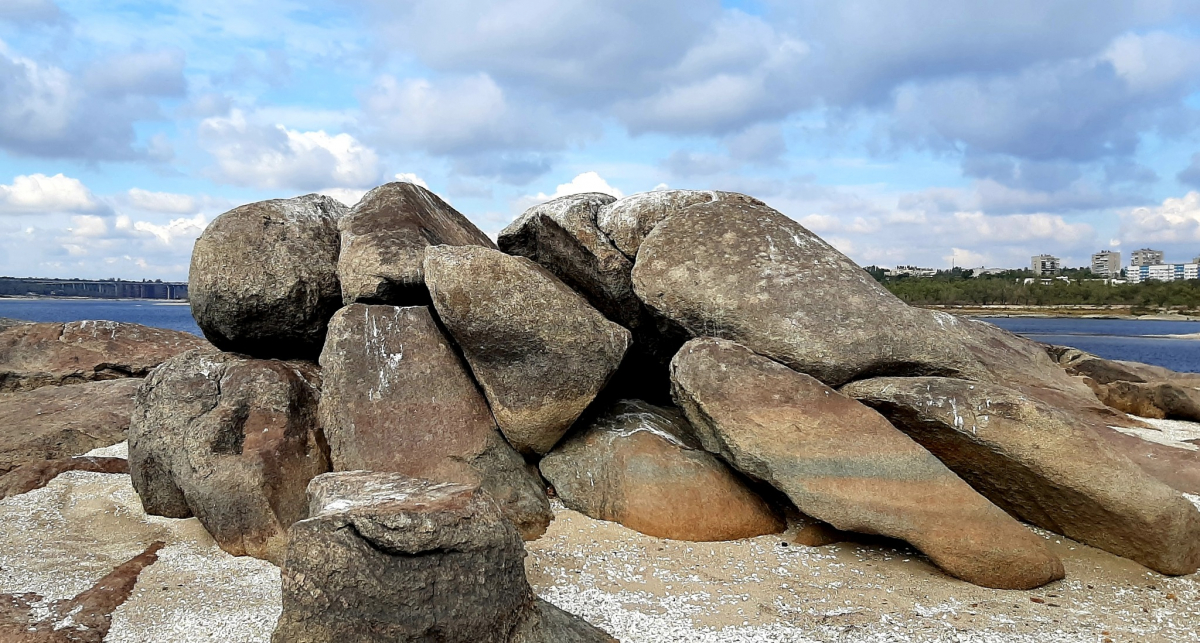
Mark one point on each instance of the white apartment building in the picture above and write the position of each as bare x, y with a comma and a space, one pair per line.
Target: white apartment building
1045, 265
1163, 272
1146, 257
1106, 263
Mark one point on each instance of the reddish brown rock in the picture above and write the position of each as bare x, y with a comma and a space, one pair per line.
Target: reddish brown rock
36, 475
60, 422
24, 618
263, 278
385, 557
231, 440
1042, 465
1162, 400
398, 398
844, 464
384, 239
636, 464
540, 352
1175, 467
52, 354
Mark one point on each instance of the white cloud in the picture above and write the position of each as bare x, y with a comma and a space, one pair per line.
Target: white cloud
273, 156
585, 182
161, 201
1176, 220
39, 194
409, 177
965, 258
176, 233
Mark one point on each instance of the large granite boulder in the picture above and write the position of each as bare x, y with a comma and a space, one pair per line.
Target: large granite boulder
1161, 400
398, 398
843, 463
231, 440
749, 274
263, 279
1107, 371
385, 558
61, 422
384, 239
1042, 465
627, 221
53, 354
538, 349
562, 237
637, 464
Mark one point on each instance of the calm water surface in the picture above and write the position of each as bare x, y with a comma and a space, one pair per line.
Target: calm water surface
1111, 338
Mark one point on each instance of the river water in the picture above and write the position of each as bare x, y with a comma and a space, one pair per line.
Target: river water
1111, 338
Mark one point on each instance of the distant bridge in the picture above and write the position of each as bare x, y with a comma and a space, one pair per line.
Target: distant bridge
105, 289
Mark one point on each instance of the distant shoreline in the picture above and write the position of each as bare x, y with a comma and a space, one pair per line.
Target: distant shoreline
174, 302
1062, 312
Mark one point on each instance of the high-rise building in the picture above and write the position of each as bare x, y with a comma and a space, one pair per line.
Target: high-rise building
1145, 257
1106, 263
1045, 265
1163, 272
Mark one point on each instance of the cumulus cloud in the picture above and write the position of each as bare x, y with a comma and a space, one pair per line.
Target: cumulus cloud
1175, 220
582, 183
273, 156
41, 194
161, 201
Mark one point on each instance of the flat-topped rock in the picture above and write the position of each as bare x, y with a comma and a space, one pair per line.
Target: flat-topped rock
638, 465
844, 464
54, 354
397, 398
384, 238
263, 278
384, 557
1042, 465
540, 352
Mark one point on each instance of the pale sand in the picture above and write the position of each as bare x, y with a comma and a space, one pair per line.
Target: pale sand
59, 540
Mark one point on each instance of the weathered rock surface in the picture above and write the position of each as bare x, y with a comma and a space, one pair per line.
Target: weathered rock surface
1176, 467
1042, 465
627, 221
263, 279
231, 440
1163, 400
749, 274
53, 354
562, 237
637, 464
8, 322
384, 239
1107, 371
60, 422
86, 618
385, 557
35, 475
538, 349
398, 398
843, 463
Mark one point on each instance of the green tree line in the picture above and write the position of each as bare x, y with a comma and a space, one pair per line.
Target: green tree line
959, 287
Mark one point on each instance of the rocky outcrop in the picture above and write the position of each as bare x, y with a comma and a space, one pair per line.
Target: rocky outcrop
8, 322
1175, 466
1107, 371
1162, 400
231, 440
398, 398
539, 351
35, 475
844, 464
53, 354
384, 239
749, 274
53, 422
86, 618
627, 221
1043, 466
637, 464
263, 279
384, 557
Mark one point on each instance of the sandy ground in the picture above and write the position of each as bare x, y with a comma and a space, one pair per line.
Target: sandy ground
59, 540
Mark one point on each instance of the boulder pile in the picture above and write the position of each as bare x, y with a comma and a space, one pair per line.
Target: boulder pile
694, 365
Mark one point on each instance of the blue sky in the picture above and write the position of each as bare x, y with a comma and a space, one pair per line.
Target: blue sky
925, 132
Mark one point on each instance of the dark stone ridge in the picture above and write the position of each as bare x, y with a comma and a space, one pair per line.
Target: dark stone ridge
36, 475
264, 278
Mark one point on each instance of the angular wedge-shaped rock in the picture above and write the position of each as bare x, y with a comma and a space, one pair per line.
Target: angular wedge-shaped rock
749, 274
843, 463
60, 422
539, 350
384, 238
263, 279
231, 440
627, 221
398, 398
387, 558
36, 475
637, 464
55, 354
1042, 465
